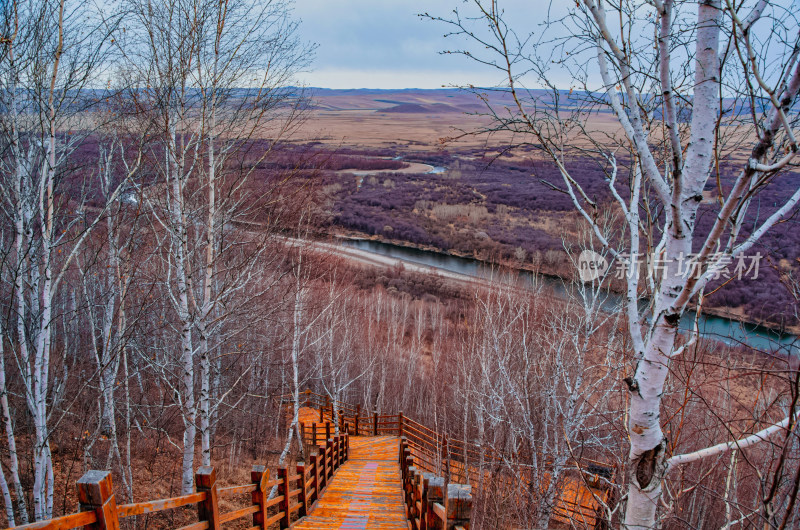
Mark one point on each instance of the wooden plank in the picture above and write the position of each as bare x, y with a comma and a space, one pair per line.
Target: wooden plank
202, 525
66, 522
274, 519
273, 501
365, 492
236, 490
139, 508
238, 514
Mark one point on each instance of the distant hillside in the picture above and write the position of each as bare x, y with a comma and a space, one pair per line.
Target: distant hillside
454, 100
407, 101
424, 109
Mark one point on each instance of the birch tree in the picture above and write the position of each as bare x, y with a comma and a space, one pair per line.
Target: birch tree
337, 355
213, 76
107, 274
695, 88
50, 53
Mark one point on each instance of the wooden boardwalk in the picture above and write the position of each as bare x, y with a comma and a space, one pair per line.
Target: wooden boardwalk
365, 493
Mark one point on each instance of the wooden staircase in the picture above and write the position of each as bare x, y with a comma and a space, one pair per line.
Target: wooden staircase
584, 489
365, 493
354, 479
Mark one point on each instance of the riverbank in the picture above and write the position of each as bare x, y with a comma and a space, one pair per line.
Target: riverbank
721, 324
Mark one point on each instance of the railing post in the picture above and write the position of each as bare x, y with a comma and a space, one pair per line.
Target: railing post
96, 493
323, 470
314, 433
284, 489
336, 451
303, 496
206, 480
400, 423
341, 420
260, 476
459, 505
445, 458
434, 494
327, 430
356, 422
328, 459
375, 422
315, 475
409, 458
302, 427
425, 508
419, 499
416, 485
403, 445
408, 492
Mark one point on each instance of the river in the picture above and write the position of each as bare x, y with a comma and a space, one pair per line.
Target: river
712, 327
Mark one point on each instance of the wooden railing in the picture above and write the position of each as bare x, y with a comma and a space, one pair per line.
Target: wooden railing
429, 505
296, 493
439, 455
352, 419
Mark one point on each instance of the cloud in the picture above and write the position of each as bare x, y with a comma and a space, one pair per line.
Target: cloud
377, 44
385, 44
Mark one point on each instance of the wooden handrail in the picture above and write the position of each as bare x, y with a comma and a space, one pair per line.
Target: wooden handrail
98, 508
65, 522
237, 490
428, 503
427, 438
139, 508
435, 452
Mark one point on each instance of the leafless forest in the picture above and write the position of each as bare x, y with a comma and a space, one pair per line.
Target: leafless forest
167, 295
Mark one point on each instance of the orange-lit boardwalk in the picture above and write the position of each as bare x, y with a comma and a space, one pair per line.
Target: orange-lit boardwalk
365, 493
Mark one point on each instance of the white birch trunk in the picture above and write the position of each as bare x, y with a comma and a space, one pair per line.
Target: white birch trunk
207, 302
180, 246
13, 466
648, 445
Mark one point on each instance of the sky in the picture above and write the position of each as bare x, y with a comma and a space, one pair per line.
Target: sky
384, 44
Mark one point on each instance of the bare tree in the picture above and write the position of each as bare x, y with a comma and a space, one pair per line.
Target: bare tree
697, 90
337, 355
106, 275
539, 384
50, 54
213, 77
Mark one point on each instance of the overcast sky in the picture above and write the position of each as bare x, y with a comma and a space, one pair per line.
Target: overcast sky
384, 44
